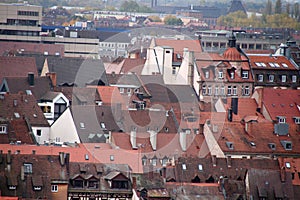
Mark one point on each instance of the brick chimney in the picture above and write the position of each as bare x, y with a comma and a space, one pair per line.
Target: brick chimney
52, 76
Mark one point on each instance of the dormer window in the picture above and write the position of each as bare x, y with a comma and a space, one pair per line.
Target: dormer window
229, 145
297, 120
245, 74
287, 145
294, 78
281, 119
207, 74
232, 75
288, 165
200, 167
220, 75
3, 129
27, 168
271, 78
260, 78
283, 78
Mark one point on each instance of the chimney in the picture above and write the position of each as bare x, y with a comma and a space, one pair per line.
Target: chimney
133, 139
234, 105
214, 160
62, 158
31, 78
22, 173
52, 76
228, 160
182, 140
229, 113
153, 139
9, 157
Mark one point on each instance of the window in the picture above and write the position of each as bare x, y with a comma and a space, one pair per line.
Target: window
271, 78
234, 91
39, 132
209, 90
294, 78
93, 184
121, 90
3, 129
297, 120
128, 91
216, 90
154, 161
207, 74
288, 165
54, 188
220, 75
245, 74
246, 90
260, 78
232, 75
222, 92
283, 78
229, 145
173, 70
81, 124
27, 168
281, 119
78, 183
59, 108
111, 157
229, 90
200, 167
102, 125
184, 166
204, 89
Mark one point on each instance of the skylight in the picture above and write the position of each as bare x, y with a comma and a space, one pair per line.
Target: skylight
184, 166
17, 115
285, 65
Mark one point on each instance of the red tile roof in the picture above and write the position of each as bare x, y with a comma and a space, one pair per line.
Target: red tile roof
282, 102
179, 45
109, 95
134, 65
282, 61
17, 67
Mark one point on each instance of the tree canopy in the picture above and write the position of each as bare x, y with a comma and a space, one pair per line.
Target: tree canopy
172, 20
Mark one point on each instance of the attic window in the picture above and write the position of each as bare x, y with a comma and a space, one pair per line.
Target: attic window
288, 165
207, 74
27, 168
297, 120
281, 119
28, 92
102, 125
86, 157
287, 145
81, 125
17, 115
111, 157
200, 167
229, 145
272, 146
184, 166
3, 129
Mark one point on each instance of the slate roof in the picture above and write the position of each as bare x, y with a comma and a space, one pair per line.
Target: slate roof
77, 70
17, 67
236, 5
21, 84
18, 106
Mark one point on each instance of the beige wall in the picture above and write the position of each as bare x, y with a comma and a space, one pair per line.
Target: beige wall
62, 192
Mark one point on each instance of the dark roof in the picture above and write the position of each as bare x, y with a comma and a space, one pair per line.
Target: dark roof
236, 5
209, 12
79, 71
21, 84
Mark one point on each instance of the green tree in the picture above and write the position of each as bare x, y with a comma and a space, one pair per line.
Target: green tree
268, 9
172, 20
278, 7
154, 18
129, 6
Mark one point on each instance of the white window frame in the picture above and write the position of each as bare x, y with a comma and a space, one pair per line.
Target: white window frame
281, 120
232, 75
204, 90
294, 78
54, 188
216, 90
3, 129
260, 78
271, 78
220, 75
222, 90
283, 78
207, 74
209, 91
121, 90
234, 90
297, 120
229, 90
245, 74
247, 90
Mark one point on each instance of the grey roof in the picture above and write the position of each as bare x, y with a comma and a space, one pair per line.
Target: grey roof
119, 38
49, 96
79, 71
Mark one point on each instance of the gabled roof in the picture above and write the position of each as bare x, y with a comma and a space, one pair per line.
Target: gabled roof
17, 67
79, 71
280, 102
109, 95
266, 62
133, 65
21, 84
18, 106
179, 45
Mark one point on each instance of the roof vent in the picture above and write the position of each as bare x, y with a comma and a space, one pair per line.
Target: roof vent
229, 145
287, 145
